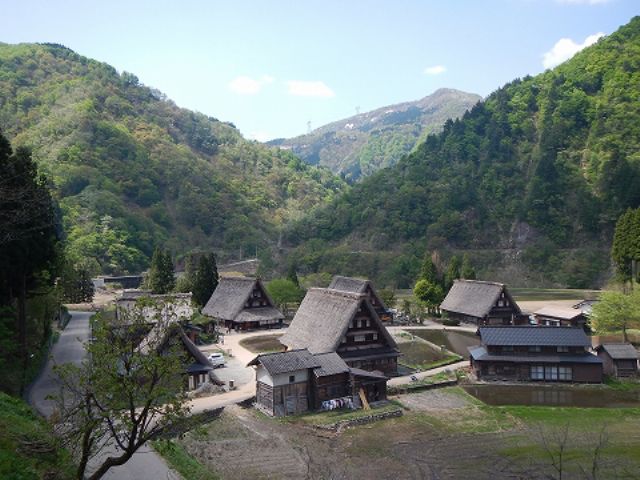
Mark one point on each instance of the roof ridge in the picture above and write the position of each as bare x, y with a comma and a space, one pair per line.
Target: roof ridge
338, 293
486, 282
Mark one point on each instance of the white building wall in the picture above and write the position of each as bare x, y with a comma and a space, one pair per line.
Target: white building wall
280, 379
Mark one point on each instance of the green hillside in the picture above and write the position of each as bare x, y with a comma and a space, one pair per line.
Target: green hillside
131, 170
360, 145
529, 182
28, 450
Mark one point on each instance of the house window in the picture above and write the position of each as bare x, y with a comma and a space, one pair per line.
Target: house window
366, 323
375, 336
359, 338
507, 348
563, 349
537, 372
565, 373
292, 378
551, 373
359, 323
534, 348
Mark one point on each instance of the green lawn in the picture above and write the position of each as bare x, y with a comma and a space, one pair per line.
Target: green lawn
177, 457
525, 294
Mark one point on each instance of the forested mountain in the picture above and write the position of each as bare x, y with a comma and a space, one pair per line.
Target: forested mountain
530, 182
131, 170
362, 144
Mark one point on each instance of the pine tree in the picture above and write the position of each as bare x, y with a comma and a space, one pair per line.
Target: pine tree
453, 272
161, 276
206, 280
625, 250
466, 270
428, 271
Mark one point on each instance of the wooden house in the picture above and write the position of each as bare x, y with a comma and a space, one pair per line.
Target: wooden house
560, 316
346, 323
296, 381
535, 353
482, 303
164, 336
243, 303
620, 359
364, 287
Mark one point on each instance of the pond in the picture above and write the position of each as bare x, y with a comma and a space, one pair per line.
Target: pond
554, 395
454, 341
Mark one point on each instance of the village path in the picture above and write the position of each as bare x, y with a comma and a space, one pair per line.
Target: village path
244, 392
145, 463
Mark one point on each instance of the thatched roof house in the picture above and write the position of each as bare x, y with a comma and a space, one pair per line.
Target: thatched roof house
164, 335
243, 303
347, 323
364, 287
483, 303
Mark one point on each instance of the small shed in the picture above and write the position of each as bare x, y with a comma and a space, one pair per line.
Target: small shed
282, 381
620, 359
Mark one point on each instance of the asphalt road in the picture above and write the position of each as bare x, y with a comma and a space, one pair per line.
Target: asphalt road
145, 463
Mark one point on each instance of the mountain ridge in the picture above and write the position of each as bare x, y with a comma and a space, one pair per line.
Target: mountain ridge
131, 170
363, 143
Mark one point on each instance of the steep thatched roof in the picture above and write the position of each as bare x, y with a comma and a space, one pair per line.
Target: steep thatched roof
323, 319
229, 298
161, 335
355, 285
474, 297
534, 336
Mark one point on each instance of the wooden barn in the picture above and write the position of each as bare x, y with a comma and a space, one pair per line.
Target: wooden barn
346, 323
482, 303
535, 353
243, 303
561, 316
296, 381
364, 287
620, 359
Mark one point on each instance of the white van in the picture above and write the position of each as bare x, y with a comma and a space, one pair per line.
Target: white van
217, 360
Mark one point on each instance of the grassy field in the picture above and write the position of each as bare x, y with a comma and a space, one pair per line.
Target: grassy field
28, 449
537, 294
262, 343
177, 457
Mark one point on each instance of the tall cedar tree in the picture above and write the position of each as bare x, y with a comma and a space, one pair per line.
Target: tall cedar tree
206, 279
466, 270
453, 272
161, 278
28, 233
625, 250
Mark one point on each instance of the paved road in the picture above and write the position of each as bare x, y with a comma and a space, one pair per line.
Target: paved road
145, 464
68, 349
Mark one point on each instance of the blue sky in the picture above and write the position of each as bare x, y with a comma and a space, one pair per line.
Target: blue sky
272, 66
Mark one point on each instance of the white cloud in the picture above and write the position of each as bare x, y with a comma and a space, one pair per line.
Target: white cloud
565, 48
435, 70
583, 2
244, 85
309, 89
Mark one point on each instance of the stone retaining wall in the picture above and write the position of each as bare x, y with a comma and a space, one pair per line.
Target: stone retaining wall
420, 387
342, 424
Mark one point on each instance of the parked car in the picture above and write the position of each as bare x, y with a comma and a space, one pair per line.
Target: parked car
217, 360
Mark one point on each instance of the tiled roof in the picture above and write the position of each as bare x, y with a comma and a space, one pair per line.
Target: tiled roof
283, 362
620, 351
534, 336
330, 364
480, 354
